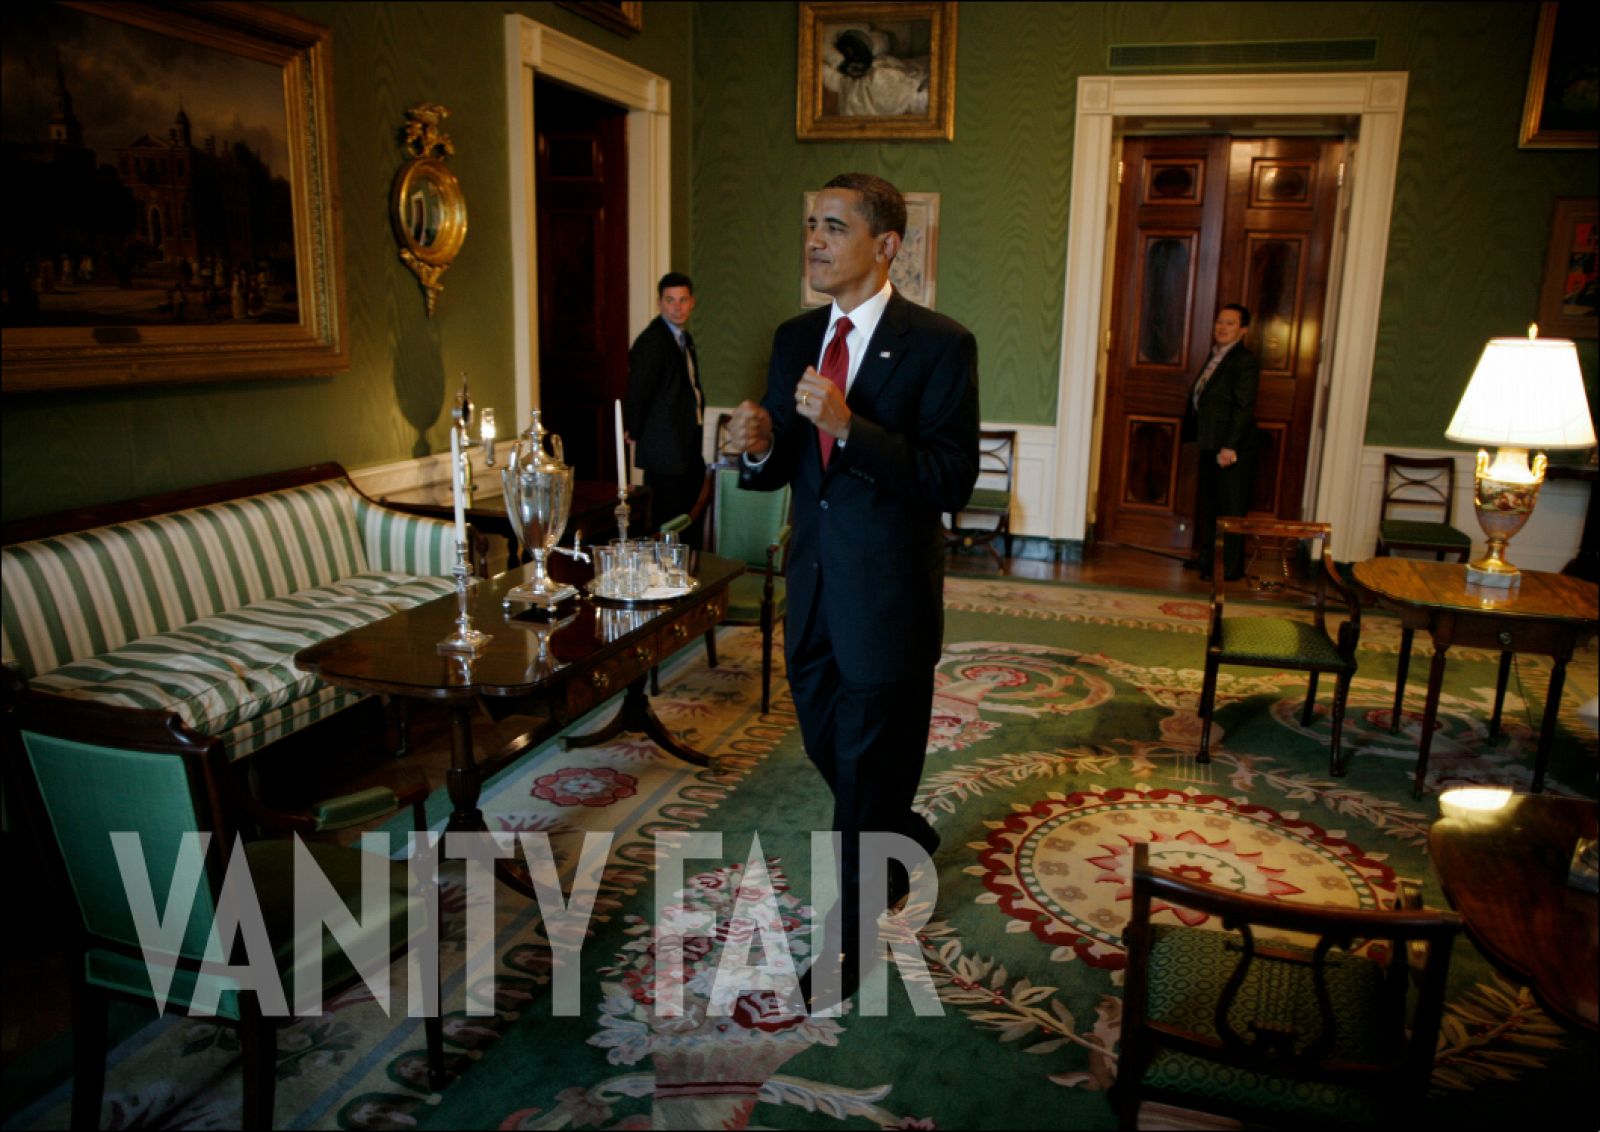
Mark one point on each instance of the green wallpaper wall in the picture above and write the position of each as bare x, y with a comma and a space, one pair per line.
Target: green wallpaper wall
1471, 212
392, 404
1470, 223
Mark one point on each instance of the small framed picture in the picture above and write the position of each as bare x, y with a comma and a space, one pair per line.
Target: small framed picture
914, 269
878, 70
1561, 111
1567, 298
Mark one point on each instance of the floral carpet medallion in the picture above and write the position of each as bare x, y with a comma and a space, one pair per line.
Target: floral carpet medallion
1063, 865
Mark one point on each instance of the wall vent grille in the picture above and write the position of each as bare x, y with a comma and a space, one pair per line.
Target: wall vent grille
1262, 53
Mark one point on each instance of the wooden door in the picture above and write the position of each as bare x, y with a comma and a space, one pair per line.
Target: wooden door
1204, 221
582, 191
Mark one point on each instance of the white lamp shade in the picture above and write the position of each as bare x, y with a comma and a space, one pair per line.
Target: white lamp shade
1525, 393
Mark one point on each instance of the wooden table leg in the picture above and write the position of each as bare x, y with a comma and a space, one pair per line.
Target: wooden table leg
1552, 712
1402, 666
462, 779
1430, 713
636, 714
1499, 695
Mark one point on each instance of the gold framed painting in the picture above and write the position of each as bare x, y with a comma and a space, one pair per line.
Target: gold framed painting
625, 17
176, 165
915, 269
876, 71
1561, 110
1567, 297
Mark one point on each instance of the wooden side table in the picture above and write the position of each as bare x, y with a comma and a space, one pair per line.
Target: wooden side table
1547, 613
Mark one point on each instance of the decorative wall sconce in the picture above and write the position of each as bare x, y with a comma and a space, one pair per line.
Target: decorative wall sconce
428, 208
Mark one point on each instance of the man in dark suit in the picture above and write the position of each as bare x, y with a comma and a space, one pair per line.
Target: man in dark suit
665, 410
1221, 418
871, 417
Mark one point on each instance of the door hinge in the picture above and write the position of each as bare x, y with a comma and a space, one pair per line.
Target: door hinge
1341, 175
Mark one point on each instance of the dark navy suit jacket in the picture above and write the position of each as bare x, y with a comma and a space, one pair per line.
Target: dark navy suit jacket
867, 538
659, 410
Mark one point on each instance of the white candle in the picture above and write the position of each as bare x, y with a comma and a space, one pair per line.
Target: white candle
622, 461
455, 485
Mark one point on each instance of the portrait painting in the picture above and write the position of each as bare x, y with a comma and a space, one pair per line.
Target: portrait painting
879, 70
914, 269
1562, 108
175, 169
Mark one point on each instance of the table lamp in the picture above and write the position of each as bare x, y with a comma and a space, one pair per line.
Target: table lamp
1526, 393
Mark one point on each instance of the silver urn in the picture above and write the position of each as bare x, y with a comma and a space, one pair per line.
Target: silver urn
538, 494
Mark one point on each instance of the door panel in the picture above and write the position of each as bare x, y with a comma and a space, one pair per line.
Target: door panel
581, 187
1168, 233
1204, 221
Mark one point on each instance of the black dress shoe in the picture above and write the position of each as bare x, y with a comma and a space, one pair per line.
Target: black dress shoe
1193, 564
1233, 575
814, 999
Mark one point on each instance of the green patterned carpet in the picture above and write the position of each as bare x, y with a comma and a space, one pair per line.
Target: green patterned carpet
1063, 733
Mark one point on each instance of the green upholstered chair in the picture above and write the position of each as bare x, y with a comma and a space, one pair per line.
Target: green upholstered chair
1305, 1031
1418, 508
165, 781
991, 499
1279, 642
750, 527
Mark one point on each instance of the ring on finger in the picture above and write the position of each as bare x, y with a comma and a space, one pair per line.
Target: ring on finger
805, 399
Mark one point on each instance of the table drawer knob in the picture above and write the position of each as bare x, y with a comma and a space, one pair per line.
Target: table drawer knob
680, 631
601, 680
642, 653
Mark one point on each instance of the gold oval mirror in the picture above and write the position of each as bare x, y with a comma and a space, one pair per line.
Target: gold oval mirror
428, 208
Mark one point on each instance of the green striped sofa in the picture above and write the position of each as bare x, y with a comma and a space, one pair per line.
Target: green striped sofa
199, 611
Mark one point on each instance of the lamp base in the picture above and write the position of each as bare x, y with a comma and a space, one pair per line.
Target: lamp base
1493, 572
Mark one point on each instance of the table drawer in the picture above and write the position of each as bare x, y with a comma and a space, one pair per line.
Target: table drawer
692, 624
611, 676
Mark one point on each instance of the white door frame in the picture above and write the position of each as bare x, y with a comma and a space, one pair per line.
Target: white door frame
1377, 99
534, 49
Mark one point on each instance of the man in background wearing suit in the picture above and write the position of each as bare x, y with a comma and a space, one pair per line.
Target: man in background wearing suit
871, 417
665, 409
1221, 417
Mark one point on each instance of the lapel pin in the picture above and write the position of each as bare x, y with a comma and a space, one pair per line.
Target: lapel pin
883, 353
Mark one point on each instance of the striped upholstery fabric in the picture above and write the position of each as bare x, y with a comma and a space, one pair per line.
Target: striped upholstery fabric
201, 612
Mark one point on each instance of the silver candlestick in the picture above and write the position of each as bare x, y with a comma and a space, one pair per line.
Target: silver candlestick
466, 640
621, 511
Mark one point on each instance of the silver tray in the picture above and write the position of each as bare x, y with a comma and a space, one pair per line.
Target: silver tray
602, 593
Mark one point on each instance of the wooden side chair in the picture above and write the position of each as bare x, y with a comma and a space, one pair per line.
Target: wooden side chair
1413, 484
164, 781
750, 527
997, 466
1282, 642
1418, 508
1278, 1034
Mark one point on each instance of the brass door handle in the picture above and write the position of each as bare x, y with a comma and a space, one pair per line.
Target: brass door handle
601, 680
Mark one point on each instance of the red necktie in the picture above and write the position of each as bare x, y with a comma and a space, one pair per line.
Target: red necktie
836, 368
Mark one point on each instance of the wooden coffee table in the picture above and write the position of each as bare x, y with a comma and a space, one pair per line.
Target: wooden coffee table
1506, 873
1547, 613
562, 668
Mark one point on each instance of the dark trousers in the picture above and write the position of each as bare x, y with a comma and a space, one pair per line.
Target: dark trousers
869, 742
672, 495
1221, 491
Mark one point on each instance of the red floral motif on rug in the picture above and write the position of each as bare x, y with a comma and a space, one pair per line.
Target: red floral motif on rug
1062, 866
585, 786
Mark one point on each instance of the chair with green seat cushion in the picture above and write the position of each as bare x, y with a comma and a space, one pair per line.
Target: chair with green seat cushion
997, 462
751, 527
1222, 1017
1418, 508
1280, 642
165, 782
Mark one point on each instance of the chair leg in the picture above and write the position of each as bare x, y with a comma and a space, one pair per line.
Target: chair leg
259, 1041
766, 659
1500, 695
1341, 691
1401, 666
88, 1053
1208, 695
711, 646
1311, 701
